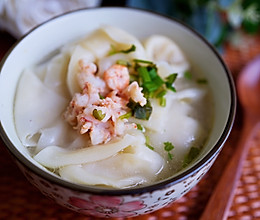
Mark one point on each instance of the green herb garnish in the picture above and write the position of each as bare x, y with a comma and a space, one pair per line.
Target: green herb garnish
149, 146
140, 112
144, 74
147, 143
150, 86
151, 81
193, 153
98, 114
131, 49
153, 85
123, 62
162, 101
168, 147
100, 96
187, 75
170, 80
202, 81
133, 77
161, 94
143, 112
143, 61
140, 127
126, 115
114, 50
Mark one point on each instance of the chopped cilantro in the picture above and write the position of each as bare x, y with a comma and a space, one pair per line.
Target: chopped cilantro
144, 74
143, 61
158, 81
126, 115
140, 112
153, 72
131, 104
147, 143
123, 62
100, 96
193, 153
170, 156
129, 50
149, 146
150, 86
161, 94
187, 74
170, 87
162, 101
202, 81
140, 127
153, 85
143, 112
168, 147
98, 114
170, 80
133, 77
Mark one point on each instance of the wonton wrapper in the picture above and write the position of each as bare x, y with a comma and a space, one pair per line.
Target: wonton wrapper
125, 162
122, 170
73, 68
162, 49
36, 107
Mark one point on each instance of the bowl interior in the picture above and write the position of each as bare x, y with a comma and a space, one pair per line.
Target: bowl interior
45, 39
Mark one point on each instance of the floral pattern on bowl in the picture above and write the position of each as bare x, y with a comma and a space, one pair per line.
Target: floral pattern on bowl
114, 206
107, 206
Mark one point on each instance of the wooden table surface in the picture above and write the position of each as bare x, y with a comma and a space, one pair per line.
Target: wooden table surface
20, 200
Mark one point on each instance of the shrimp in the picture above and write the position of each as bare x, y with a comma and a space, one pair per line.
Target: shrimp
118, 99
76, 106
86, 73
117, 77
87, 67
93, 93
80, 112
134, 92
86, 76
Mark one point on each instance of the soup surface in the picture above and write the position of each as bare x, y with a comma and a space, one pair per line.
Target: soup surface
113, 110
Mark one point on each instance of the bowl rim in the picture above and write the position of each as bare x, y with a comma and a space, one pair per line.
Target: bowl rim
142, 189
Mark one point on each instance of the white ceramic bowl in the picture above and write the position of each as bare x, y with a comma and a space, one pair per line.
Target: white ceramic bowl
126, 202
